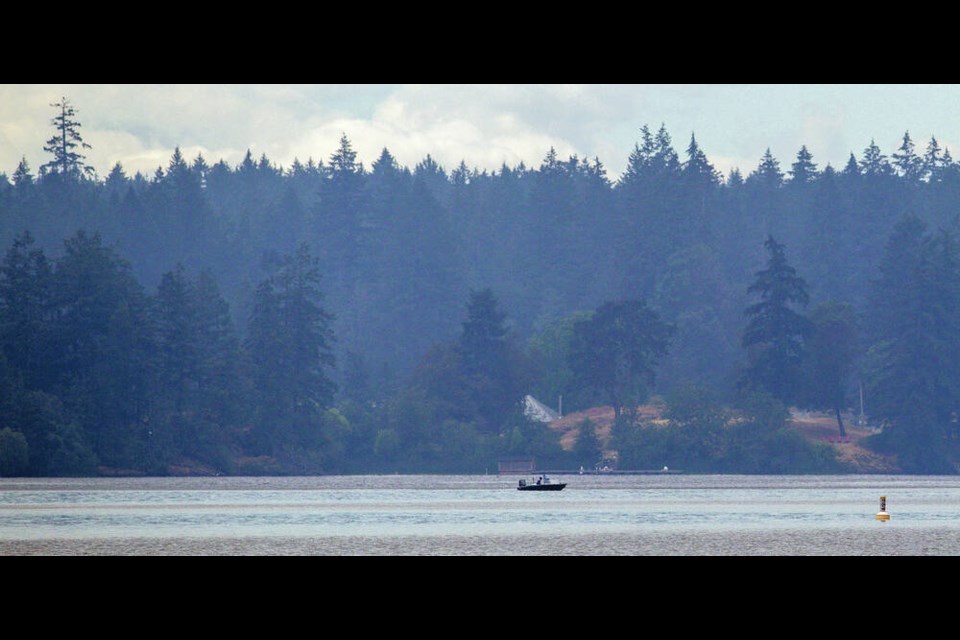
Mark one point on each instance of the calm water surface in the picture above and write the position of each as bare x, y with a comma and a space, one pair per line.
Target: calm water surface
457, 515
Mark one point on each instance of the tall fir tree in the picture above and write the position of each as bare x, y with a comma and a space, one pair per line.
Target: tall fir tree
66, 144
290, 346
908, 165
489, 362
776, 333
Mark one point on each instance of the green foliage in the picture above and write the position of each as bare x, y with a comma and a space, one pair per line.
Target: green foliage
536, 438
804, 170
767, 174
483, 339
763, 409
96, 371
102, 344
775, 334
694, 295
702, 438
832, 353
587, 448
14, 454
690, 404
549, 354
57, 444
387, 444
290, 349
491, 366
616, 351
27, 311
755, 448
915, 376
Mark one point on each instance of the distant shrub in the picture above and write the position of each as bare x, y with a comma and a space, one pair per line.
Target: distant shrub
14, 454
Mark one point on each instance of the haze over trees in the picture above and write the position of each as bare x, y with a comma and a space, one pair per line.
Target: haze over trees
333, 317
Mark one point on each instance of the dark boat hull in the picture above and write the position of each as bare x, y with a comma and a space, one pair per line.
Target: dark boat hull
543, 487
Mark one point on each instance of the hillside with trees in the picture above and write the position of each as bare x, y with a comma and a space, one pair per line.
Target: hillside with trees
333, 317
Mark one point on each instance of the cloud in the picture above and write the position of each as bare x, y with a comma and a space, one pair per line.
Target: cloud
484, 125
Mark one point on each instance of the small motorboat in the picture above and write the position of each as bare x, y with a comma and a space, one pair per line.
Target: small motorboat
543, 483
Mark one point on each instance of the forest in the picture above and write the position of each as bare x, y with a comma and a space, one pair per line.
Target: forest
330, 317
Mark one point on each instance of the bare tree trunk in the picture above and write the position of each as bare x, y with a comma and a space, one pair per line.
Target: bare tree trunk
843, 431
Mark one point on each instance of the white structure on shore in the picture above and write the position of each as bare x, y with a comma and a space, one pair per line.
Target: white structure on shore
536, 410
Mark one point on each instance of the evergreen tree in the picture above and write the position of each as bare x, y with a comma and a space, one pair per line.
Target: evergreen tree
695, 296
399, 250
483, 341
852, 168
775, 335
906, 161
829, 233
22, 178
196, 368
916, 376
65, 144
176, 327
218, 363
804, 170
932, 165
665, 159
435, 178
892, 291
489, 361
290, 349
768, 173
27, 312
640, 159
200, 168
735, 179
14, 453
648, 199
698, 166
102, 346
341, 233
874, 163
116, 182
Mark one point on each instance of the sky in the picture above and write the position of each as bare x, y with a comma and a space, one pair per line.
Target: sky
484, 125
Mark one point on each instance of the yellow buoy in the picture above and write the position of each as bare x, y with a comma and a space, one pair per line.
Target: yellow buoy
882, 515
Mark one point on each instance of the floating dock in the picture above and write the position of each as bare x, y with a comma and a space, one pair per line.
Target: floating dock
618, 472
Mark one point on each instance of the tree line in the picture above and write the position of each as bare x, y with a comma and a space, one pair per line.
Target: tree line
328, 315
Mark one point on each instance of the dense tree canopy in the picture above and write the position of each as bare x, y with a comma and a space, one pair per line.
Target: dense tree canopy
915, 367
832, 351
176, 320
616, 351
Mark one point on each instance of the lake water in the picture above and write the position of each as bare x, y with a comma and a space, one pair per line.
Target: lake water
481, 515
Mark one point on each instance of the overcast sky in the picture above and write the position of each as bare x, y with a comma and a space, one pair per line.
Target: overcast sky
485, 125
